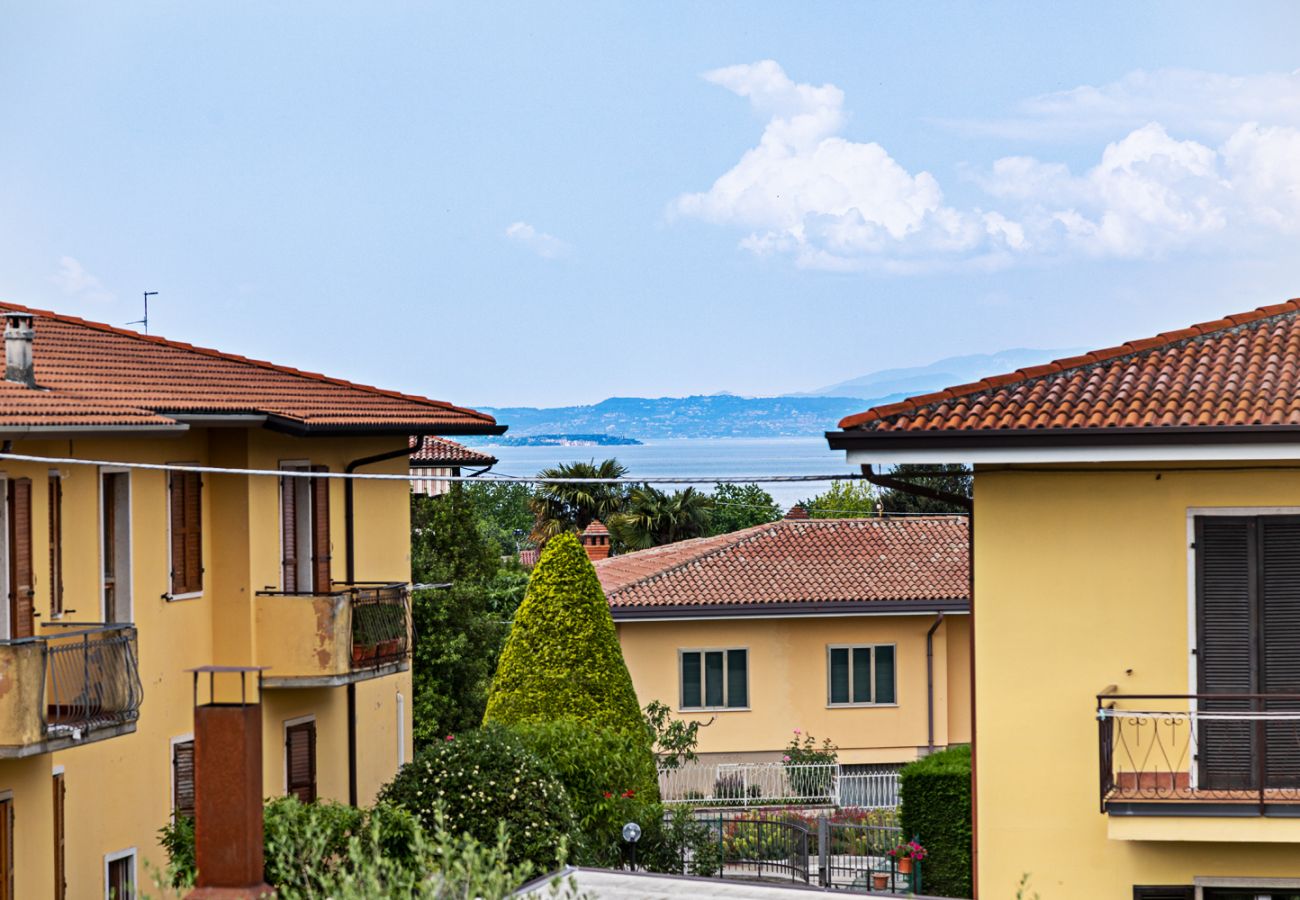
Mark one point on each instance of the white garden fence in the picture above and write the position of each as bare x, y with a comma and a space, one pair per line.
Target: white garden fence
765, 784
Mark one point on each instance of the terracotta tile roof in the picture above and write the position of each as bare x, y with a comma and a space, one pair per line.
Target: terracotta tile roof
92, 374
815, 563
440, 452
1242, 370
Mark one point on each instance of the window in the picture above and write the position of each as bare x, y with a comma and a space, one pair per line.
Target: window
183, 777
119, 876
56, 544
715, 679
300, 759
7, 849
115, 545
60, 843
305, 532
861, 676
185, 519
1164, 893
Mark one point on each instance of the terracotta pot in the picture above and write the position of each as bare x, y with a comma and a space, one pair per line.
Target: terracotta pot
880, 880
905, 865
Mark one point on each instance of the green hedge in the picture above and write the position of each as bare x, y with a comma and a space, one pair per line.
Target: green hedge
936, 810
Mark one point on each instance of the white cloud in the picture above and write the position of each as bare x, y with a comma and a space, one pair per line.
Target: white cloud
545, 245
1185, 100
808, 193
73, 279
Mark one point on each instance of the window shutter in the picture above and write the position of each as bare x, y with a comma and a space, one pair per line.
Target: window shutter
194, 531
56, 545
1225, 573
288, 535
692, 695
183, 779
840, 675
60, 843
300, 760
1280, 593
20, 556
1164, 893
737, 678
320, 532
884, 658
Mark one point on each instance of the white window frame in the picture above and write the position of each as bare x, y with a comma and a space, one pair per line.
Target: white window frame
284, 750
171, 767
123, 529
191, 595
831, 704
135, 870
303, 523
704, 692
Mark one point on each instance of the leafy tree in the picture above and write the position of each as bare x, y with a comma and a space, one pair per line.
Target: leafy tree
458, 635
503, 511
953, 479
571, 507
650, 517
737, 506
562, 659
843, 500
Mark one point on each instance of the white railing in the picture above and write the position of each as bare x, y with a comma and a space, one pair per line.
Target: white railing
765, 784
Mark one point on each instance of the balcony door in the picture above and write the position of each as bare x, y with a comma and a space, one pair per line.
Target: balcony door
304, 531
115, 545
1248, 632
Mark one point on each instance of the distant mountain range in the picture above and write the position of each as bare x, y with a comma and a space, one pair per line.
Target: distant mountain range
730, 416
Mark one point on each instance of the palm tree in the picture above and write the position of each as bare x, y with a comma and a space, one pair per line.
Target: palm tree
566, 507
650, 517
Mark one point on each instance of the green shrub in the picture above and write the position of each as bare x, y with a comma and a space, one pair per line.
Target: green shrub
562, 659
936, 809
481, 778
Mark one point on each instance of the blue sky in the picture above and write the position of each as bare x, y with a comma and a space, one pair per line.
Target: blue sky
546, 204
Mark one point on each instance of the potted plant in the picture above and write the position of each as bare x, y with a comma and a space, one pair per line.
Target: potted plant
904, 853
880, 880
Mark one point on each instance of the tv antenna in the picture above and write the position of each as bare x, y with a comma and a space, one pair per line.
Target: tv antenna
145, 320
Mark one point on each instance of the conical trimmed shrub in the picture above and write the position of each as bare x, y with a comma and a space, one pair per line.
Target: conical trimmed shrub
562, 659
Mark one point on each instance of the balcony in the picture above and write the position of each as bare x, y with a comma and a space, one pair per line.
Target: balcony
354, 633
1184, 760
74, 684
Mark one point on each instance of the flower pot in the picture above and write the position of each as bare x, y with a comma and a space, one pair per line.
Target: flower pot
879, 880
905, 865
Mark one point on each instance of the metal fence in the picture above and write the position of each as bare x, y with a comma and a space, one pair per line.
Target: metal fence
92, 679
380, 617
765, 784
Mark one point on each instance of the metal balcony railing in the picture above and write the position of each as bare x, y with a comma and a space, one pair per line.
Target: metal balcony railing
766, 784
1238, 752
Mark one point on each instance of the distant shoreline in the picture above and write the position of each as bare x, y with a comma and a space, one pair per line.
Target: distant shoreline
561, 440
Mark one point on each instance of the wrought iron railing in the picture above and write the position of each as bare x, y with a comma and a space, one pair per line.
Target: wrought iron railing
380, 615
91, 677
764, 784
1239, 751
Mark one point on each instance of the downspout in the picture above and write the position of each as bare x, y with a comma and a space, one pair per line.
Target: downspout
929, 681
349, 568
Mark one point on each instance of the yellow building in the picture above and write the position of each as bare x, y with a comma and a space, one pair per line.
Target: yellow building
1136, 610
116, 578
853, 630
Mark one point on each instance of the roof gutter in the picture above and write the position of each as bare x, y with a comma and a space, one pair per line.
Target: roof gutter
907, 487
789, 608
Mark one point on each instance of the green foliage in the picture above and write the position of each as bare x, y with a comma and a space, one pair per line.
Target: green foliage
458, 634
842, 500
562, 659
506, 591
936, 809
649, 517
481, 778
610, 778
177, 840
685, 837
502, 511
954, 479
804, 751
674, 740
558, 508
737, 506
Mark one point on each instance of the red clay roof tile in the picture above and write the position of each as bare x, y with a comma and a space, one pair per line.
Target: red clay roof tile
439, 452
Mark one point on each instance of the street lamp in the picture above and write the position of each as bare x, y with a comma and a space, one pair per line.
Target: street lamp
632, 834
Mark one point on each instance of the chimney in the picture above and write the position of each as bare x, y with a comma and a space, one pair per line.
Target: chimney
595, 540
797, 512
228, 788
18, 348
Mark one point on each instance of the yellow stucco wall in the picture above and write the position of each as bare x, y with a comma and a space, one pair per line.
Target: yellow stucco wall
119, 790
1081, 577
788, 682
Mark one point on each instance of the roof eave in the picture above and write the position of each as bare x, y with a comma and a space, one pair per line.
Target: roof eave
789, 608
299, 428
55, 432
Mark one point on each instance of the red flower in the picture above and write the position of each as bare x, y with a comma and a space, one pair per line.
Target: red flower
629, 793
608, 794
451, 737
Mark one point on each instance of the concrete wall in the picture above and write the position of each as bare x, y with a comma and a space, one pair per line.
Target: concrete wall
788, 682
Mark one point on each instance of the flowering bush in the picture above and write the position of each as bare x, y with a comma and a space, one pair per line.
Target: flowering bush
908, 850
481, 778
873, 834
803, 751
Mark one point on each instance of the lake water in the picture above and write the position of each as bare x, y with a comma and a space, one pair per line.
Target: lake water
692, 456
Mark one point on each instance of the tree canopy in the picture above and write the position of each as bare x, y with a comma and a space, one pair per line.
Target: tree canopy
737, 506
650, 517
842, 500
558, 508
950, 479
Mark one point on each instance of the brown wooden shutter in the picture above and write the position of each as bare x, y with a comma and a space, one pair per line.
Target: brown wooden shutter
60, 843
183, 779
300, 760
288, 534
320, 532
1279, 587
56, 545
185, 491
20, 557
6, 850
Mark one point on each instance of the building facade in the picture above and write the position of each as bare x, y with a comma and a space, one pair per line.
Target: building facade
118, 578
1136, 546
